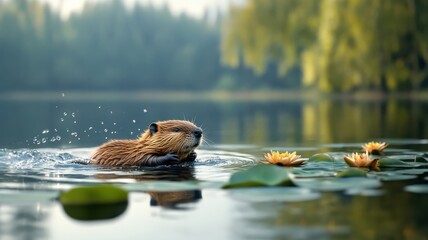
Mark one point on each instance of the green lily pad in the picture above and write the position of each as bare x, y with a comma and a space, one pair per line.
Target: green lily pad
95, 212
352, 172
94, 195
274, 194
402, 157
338, 184
394, 177
310, 173
321, 157
417, 188
260, 175
415, 171
388, 162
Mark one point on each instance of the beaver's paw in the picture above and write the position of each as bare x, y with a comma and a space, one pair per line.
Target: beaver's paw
168, 159
192, 156
171, 158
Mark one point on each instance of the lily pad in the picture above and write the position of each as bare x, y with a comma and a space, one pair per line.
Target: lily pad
352, 172
415, 171
260, 175
338, 184
274, 194
394, 177
388, 162
321, 157
417, 188
94, 195
95, 212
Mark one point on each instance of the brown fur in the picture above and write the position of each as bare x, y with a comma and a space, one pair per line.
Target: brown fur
139, 151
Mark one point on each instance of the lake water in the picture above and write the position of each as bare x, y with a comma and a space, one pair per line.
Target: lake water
40, 140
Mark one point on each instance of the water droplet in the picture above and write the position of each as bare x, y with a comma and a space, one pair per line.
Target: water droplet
145, 110
134, 121
99, 107
105, 130
132, 133
45, 131
106, 138
74, 134
75, 121
58, 138
139, 129
62, 119
53, 139
44, 140
73, 115
69, 142
102, 123
65, 114
78, 138
63, 94
114, 124
84, 131
90, 128
111, 112
55, 130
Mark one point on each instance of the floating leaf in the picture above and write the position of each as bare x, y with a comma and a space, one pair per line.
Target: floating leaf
337, 184
260, 175
274, 194
95, 212
417, 188
93, 195
352, 172
402, 157
388, 162
321, 157
416, 171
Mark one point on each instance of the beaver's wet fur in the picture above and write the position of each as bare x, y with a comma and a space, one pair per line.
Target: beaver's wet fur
163, 143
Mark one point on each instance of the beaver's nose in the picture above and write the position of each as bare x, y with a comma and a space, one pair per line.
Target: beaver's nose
198, 133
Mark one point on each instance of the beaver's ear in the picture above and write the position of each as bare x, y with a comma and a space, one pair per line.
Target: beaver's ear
153, 128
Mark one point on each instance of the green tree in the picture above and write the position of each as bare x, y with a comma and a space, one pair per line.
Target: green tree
338, 45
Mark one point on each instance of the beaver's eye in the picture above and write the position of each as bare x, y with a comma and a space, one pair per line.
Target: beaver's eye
176, 129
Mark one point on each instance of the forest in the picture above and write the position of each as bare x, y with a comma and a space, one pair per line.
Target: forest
338, 46
110, 47
325, 45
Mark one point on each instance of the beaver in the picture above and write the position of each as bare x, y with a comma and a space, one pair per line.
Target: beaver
163, 143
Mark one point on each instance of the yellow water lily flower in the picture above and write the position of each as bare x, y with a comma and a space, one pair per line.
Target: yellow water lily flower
362, 160
283, 159
374, 147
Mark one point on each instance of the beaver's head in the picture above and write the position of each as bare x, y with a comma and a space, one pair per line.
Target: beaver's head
180, 137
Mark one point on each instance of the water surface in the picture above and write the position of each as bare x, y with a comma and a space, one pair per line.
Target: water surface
41, 140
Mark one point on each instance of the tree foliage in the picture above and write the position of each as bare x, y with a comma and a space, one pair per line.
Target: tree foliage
109, 46
338, 45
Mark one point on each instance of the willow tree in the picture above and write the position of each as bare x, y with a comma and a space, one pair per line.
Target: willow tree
339, 45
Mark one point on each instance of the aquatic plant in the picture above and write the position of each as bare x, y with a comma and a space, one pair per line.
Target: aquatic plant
374, 147
362, 160
283, 159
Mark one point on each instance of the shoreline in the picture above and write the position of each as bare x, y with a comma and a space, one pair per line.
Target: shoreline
243, 95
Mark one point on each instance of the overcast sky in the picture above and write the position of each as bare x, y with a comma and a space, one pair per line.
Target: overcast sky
193, 8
